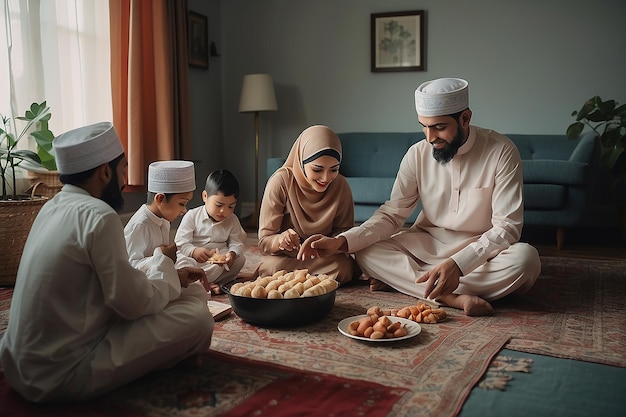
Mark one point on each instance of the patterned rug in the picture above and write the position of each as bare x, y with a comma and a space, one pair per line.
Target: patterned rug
223, 386
575, 310
253, 258
499, 373
438, 367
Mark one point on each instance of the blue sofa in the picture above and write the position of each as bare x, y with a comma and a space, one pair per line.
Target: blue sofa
557, 174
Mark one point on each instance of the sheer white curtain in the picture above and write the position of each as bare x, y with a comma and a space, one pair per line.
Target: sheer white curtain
58, 51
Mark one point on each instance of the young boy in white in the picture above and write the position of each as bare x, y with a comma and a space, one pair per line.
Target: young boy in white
170, 188
210, 236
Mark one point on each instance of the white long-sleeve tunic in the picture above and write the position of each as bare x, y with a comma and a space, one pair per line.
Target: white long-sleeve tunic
144, 232
83, 320
198, 230
472, 207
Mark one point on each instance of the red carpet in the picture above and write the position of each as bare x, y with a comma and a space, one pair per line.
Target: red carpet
223, 386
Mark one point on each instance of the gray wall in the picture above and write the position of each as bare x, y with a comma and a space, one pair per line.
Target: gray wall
529, 64
205, 95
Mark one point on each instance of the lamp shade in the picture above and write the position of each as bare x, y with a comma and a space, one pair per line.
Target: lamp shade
257, 93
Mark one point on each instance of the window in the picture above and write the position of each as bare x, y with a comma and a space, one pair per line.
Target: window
58, 51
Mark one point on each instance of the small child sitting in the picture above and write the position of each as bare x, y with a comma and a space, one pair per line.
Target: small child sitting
210, 236
170, 188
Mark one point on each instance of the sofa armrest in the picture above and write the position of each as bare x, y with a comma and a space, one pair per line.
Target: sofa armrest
548, 171
584, 151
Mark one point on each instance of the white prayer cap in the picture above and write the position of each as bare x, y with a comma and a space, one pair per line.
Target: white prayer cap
442, 97
171, 177
87, 147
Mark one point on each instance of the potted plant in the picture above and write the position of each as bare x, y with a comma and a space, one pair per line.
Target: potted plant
608, 120
17, 212
46, 171
11, 157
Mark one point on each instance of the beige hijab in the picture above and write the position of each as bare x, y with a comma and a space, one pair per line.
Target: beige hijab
311, 211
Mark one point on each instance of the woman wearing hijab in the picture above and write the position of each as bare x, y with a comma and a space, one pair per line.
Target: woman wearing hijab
307, 196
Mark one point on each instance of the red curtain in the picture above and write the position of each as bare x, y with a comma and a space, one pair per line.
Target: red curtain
149, 79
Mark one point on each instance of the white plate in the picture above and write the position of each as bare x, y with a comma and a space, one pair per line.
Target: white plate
412, 328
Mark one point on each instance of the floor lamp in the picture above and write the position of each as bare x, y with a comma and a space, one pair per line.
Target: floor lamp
257, 95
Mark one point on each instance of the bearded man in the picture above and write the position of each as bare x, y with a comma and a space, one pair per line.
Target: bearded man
463, 250
83, 321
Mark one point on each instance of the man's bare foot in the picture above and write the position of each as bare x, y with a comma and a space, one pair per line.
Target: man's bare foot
376, 285
472, 305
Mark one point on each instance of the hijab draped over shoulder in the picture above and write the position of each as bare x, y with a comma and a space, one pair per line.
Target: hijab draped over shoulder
305, 210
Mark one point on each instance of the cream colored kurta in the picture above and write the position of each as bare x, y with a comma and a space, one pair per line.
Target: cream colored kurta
83, 321
197, 229
472, 211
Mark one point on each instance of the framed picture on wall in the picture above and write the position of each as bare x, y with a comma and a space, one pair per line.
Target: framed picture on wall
398, 41
198, 40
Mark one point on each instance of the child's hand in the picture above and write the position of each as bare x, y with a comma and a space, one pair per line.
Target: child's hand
202, 254
169, 251
230, 259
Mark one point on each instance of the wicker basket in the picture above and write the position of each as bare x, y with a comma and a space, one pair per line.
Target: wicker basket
16, 219
48, 182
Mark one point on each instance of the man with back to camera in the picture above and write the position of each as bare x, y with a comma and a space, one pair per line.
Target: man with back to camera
463, 250
83, 321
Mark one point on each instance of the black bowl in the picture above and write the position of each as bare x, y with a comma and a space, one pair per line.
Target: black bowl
282, 312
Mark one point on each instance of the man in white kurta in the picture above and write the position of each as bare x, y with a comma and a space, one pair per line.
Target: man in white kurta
463, 249
83, 321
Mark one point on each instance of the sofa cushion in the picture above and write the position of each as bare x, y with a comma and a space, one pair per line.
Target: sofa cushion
368, 190
551, 147
373, 154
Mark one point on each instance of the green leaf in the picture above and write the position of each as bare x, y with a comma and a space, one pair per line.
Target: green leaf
574, 130
597, 116
44, 139
607, 108
26, 154
48, 161
588, 107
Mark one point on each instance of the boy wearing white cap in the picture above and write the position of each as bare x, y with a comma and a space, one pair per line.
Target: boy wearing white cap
210, 236
463, 250
84, 321
170, 188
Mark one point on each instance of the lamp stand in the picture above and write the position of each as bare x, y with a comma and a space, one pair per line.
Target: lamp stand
254, 221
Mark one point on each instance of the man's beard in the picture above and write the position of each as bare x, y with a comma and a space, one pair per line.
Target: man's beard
445, 155
112, 194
